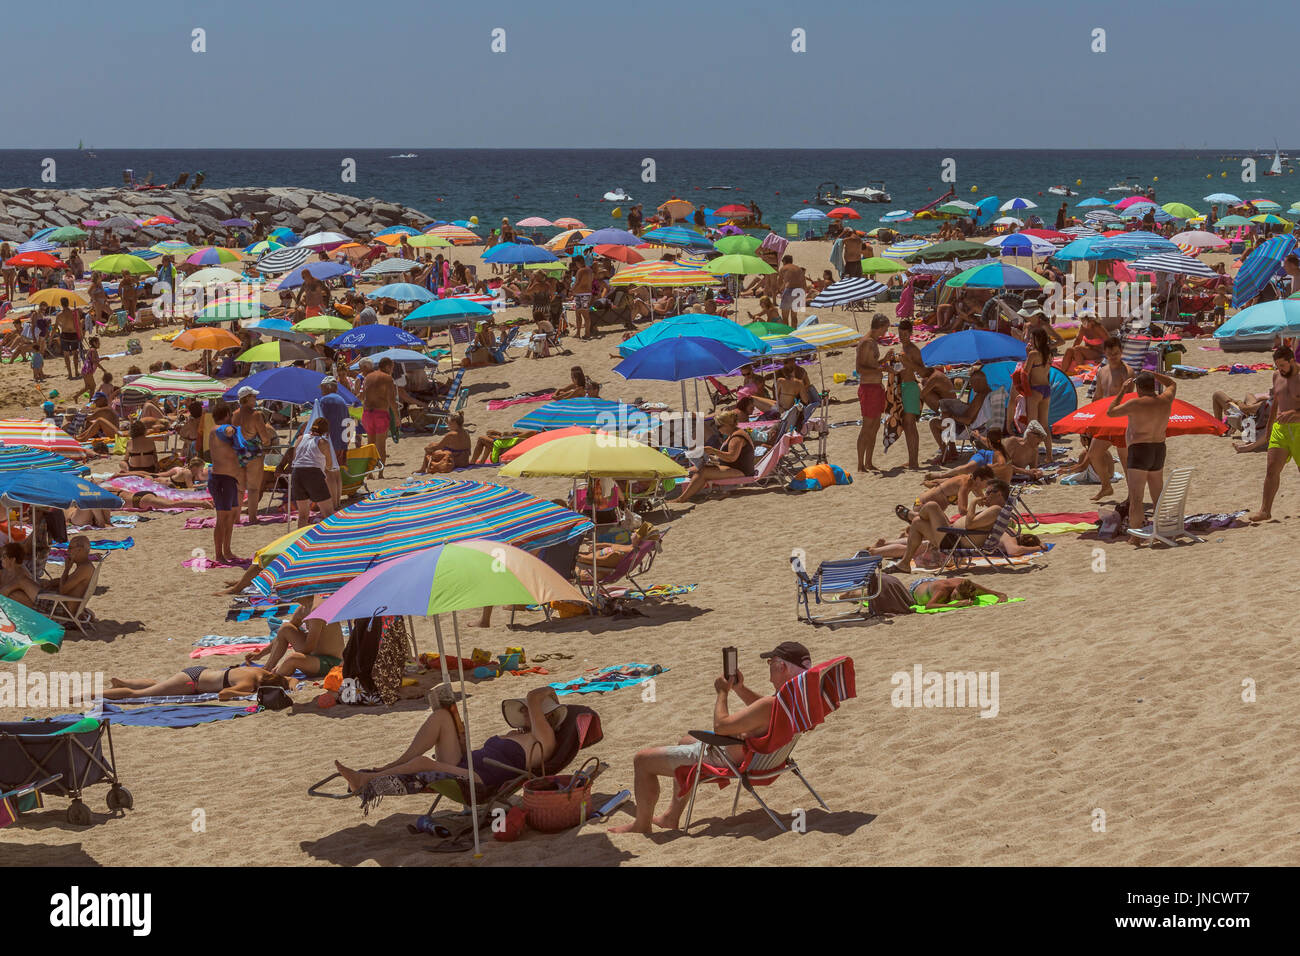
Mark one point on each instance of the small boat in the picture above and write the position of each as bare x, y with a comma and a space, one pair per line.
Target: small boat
1276, 168
874, 192
721, 187
1128, 185
403, 156
617, 195
1061, 191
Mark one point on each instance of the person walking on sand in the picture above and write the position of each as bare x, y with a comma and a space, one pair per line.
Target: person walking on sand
1148, 421
223, 482
871, 389
379, 406
1283, 427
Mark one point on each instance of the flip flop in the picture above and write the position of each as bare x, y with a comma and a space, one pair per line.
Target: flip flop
904, 514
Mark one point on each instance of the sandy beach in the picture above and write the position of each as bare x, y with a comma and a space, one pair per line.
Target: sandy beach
1121, 678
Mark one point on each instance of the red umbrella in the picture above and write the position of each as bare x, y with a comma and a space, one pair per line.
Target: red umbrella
1184, 419
1051, 235
735, 209
621, 253
34, 259
541, 438
844, 212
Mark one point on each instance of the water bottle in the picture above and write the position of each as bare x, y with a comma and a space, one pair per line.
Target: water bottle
425, 824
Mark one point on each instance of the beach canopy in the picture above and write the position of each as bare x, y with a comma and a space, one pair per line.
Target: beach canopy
21, 629
54, 489
24, 458
42, 435
1266, 318
698, 325
375, 337
297, 386
970, 346
1259, 268
398, 521
585, 412
677, 359
1184, 419
446, 312
175, 382
594, 455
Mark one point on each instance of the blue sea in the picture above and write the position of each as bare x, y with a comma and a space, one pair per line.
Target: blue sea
491, 183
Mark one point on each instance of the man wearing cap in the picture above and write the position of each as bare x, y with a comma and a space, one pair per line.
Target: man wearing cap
785, 662
257, 434
335, 411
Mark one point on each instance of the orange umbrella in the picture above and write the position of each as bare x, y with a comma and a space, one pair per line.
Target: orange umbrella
677, 208
541, 438
844, 212
207, 338
568, 222
621, 253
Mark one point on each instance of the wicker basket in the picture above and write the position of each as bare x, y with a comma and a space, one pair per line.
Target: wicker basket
558, 802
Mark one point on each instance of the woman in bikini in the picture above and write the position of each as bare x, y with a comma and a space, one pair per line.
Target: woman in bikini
1088, 347
238, 680
449, 452
735, 459
1038, 367
949, 592
141, 452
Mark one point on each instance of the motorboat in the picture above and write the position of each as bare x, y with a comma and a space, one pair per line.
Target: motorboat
1061, 191
829, 196
1128, 185
874, 192
617, 195
403, 156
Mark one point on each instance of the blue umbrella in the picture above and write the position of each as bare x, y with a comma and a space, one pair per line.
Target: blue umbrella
54, 489
970, 346
1259, 268
42, 233
1094, 201
986, 210
402, 292
275, 329
1084, 248
583, 413
809, 215
1064, 397
397, 355
36, 245
515, 253
612, 237
374, 337
23, 458
284, 235
1139, 210
1266, 318
698, 325
403, 230
675, 360
318, 270
297, 386
447, 312
674, 236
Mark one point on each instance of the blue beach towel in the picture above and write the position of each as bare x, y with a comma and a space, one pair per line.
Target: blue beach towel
608, 679
180, 715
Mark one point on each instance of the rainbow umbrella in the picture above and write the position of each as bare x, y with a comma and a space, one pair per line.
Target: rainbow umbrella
998, 275
172, 247
212, 256
1269, 219
1264, 205
42, 435
583, 412
25, 458
262, 247
21, 628
457, 235
826, 335
661, 274
174, 382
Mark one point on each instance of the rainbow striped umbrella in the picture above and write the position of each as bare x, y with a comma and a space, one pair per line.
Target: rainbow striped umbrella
42, 435
583, 412
24, 458
173, 247
400, 521
901, 250
826, 335
175, 382
1264, 205
458, 235
663, 274
212, 256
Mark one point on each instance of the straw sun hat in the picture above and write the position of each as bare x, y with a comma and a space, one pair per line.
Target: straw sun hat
515, 711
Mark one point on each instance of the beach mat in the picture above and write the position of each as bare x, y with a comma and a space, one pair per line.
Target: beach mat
609, 679
498, 403
172, 715
982, 600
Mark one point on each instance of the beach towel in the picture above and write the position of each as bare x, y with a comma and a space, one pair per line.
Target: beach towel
524, 398
609, 679
998, 561
251, 648
658, 590
193, 523
1214, 522
1065, 527
206, 564
264, 610
99, 544
982, 600
1073, 517
119, 521
174, 715
133, 484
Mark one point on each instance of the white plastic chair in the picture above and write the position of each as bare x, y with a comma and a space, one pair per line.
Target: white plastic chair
1167, 522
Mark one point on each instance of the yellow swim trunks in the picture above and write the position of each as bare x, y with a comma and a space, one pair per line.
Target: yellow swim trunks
1286, 435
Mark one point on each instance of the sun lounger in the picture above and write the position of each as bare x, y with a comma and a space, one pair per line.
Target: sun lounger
802, 704
773, 467
1167, 523
859, 576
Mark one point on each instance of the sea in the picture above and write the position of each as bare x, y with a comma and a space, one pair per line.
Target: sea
454, 184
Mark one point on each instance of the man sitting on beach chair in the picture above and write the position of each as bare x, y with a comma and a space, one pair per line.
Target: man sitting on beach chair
786, 661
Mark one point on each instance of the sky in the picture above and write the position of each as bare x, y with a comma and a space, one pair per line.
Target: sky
660, 73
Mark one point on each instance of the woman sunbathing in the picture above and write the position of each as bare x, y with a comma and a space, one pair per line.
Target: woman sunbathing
488, 448
949, 592
449, 452
926, 523
527, 747
577, 387
227, 683
958, 489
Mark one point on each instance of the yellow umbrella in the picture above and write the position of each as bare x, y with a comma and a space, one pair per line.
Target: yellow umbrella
598, 455
54, 297
663, 274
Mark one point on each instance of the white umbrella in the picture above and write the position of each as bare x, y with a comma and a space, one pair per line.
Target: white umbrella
318, 239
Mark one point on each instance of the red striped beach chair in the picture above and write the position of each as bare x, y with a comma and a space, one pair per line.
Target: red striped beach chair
801, 705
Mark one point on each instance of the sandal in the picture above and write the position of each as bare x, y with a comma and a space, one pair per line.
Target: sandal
904, 514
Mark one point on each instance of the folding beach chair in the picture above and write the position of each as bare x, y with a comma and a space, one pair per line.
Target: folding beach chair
499, 353
360, 464
801, 705
831, 582
12, 803
1167, 522
70, 610
965, 547
774, 466
437, 412
637, 561
719, 392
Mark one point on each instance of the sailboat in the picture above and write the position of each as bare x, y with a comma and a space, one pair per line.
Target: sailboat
1276, 168
81, 148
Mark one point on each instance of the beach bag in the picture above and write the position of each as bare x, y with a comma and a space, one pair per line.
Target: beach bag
559, 801
133, 347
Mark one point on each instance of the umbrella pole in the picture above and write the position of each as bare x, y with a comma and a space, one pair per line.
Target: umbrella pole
469, 753
442, 651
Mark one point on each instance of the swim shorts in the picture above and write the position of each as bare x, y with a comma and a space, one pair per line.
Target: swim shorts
70, 341
911, 395
225, 492
327, 663
871, 398
582, 300
788, 298
375, 421
309, 485
1147, 455
683, 755
1286, 435
853, 268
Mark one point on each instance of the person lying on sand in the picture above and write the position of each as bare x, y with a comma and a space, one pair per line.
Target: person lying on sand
1007, 456
528, 746
237, 680
785, 662
490, 446
313, 647
896, 597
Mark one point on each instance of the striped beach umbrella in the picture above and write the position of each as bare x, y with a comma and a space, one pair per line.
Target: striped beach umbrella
826, 335
663, 275
1268, 219
25, 458
901, 250
786, 344
399, 521
567, 238
1264, 205
322, 240
1258, 269
1017, 203
1102, 215
173, 247
677, 236
41, 435
852, 289
457, 235
568, 222
283, 260
698, 260
583, 413
1197, 239
35, 245
175, 382
999, 275
319, 270
386, 267
212, 256
1174, 263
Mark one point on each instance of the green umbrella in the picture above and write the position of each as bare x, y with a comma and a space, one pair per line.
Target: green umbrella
1233, 221
1271, 220
876, 265
739, 265
322, 323
67, 234
1180, 210
768, 328
21, 628
745, 245
117, 264
276, 352
427, 241
953, 249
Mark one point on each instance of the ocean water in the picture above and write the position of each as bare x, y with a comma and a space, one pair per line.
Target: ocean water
489, 184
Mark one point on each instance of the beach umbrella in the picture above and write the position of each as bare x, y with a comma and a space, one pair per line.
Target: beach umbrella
811, 214
228, 309
1140, 212
1094, 201
389, 267
970, 346
41, 234
1008, 221
541, 438
1271, 220
1018, 244
611, 237
1102, 215
1132, 201
999, 275
1264, 205
159, 221
36, 245
46, 261
904, 248
1281, 316
296, 386
1133, 245
593, 455
1064, 397
402, 292
27, 458
397, 521
43, 488
1084, 248
278, 329
878, 265
297, 276
568, 222
676, 208
618, 253
1091, 419
262, 247
534, 222
40, 435
173, 247
784, 343
283, 260
399, 356
825, 335
844, 212
67, 234
456, 235
322, 240
1077, 231
677, 359
599, 413
428, 242
570, 237
953, 249
1259, 268
697, 325
212, 275
898, 215
1017, 203
1180, 210
21, 629
1223, 197
120, 222
957, 208
374, 336
516, 253
739, 265
283, 234
1232, 221
399, 230
322, 323
193, 340
175, 382
844, 291
674, 236
1174, 263
1198, 239
446, 312
212, 255
56, 297
277, 351
768, 328
663, 274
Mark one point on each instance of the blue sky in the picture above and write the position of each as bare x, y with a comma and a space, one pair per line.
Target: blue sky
708, 73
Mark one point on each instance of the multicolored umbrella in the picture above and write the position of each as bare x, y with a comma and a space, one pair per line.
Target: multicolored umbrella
212, 256
21, 431
826, 335
175, 382
541, 438
262, 248
569, 237
1000, 275
593, 455
398, 521
568, 222
675, 236
457, 235
25, 458
1018, 244
1184, 419
21, 628
1268, 219
1259, 268
662, 274
584, 413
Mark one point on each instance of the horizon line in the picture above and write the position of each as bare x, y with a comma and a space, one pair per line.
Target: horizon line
1065, 149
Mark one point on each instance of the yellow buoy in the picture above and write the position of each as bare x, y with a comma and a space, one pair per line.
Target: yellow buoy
1208, 175
1221, 175
474, 220
617, 212
1155, 179
974, 189
1078, 182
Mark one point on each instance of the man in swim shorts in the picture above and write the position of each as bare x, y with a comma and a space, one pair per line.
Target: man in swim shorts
794, 285
223, 482
379, 402
1148, 422
313, 647
1284, 427
911, 371
69, 336
581, 291
871, 389
785, 662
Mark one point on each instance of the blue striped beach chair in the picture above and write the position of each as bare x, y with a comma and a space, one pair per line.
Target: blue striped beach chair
832, 583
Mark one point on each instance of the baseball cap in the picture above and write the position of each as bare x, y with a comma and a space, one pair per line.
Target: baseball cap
791, 652
246, 390
329, 380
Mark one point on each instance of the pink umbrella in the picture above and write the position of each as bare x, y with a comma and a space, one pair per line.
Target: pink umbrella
1131, 200
568, 222
534, 221
90, 222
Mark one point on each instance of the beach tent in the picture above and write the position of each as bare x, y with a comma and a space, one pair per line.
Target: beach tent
1065, 398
